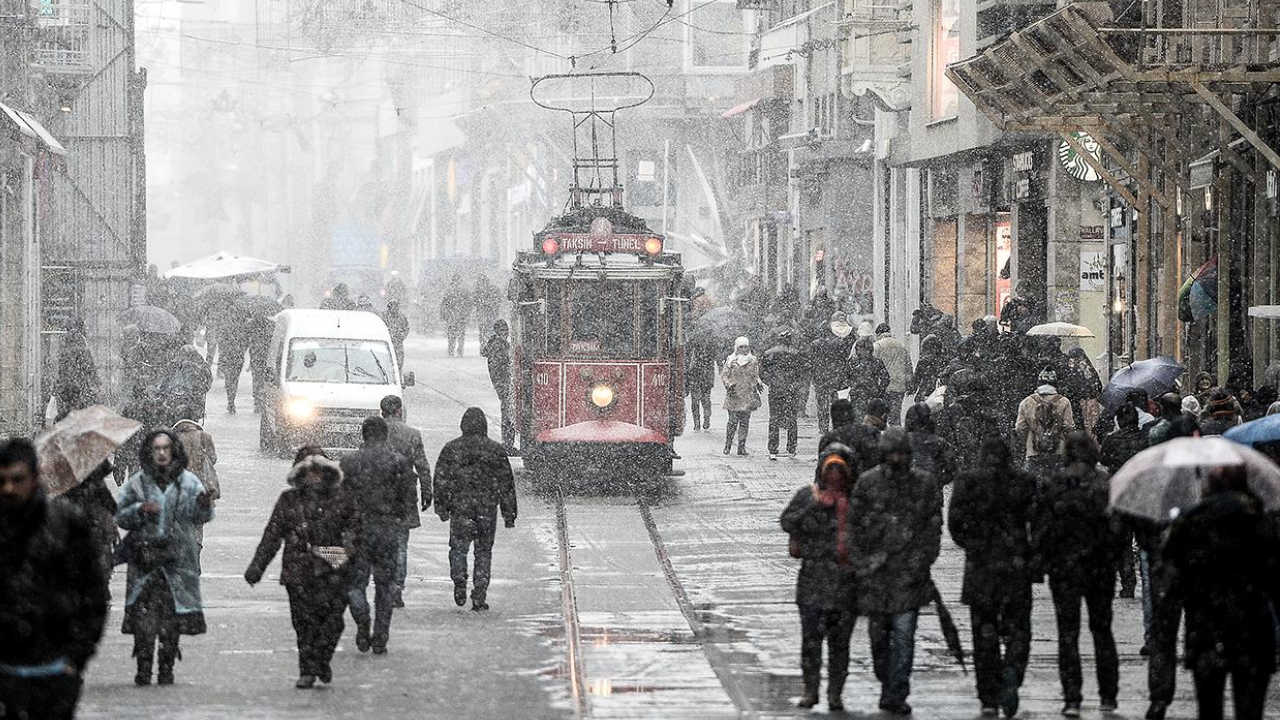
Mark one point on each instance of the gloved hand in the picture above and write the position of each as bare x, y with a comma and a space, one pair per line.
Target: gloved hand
253, 577
509, 522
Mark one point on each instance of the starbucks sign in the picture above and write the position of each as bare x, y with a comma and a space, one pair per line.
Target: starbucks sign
1076, 165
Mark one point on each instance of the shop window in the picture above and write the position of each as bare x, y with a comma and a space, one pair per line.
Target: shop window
944, 49
945, 235
1002, 270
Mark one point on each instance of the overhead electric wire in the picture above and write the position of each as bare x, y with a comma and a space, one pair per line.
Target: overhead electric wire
484, 30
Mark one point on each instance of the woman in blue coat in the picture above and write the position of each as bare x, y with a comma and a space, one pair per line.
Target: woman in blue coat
161, 507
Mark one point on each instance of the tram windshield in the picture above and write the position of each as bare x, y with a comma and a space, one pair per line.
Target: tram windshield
604, 319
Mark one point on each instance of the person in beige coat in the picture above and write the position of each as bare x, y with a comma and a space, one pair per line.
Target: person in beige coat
1044, 419
897, 360
202, 459
741, 379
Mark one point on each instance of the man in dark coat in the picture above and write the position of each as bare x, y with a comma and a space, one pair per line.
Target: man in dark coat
188, 383
829, 353
473, 484
497, 352
786, 371
860, 435
455, 311
929, 452
78, 385
407, 441
1225, 554
992, 508
398, 327
1079, 546
968, 421
53, 593
1117, 448
896, 528
382, 483
699, 379
488, 302
817, 521
868, 377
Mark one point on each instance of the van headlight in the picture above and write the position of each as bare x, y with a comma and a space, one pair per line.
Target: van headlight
301, 410
602, 396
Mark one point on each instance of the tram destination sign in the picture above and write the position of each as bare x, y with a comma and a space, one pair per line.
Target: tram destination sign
583, 242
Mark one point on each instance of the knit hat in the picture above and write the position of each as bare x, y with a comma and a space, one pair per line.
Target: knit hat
1190, 405
1221, 402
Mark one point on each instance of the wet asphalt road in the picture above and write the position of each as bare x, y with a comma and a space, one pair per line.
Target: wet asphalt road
682, 612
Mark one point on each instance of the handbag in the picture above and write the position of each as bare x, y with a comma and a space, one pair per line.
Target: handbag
334, 557
148, 553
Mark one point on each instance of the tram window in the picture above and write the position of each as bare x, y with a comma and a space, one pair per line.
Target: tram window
552, 330
602, 319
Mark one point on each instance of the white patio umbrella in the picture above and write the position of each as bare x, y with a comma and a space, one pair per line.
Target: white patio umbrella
1061, 329
224, 265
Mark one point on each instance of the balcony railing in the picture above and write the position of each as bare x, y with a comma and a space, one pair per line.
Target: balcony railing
1172, 48
62, 42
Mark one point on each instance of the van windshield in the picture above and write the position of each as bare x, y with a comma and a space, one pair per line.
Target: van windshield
330, 360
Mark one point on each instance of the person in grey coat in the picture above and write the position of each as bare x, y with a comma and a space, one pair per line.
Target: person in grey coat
473, 484
382, 482
407, 441
896, 516
818, 523
161, 506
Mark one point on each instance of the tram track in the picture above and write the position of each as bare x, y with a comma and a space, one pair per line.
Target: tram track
702, 634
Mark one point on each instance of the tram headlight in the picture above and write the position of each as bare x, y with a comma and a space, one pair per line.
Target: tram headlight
550, 246
602, 396
301, 410
653, 245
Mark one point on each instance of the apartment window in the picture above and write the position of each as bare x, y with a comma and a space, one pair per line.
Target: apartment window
944, 49
715, 36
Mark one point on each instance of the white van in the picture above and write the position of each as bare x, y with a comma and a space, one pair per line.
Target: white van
330, 370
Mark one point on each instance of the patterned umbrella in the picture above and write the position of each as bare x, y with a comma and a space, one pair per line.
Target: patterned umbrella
1198, 298
70, 450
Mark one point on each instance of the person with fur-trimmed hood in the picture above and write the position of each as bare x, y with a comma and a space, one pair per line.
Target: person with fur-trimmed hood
316, 522
161, 506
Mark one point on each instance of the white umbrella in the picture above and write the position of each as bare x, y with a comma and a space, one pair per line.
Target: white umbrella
70, 450
224, 265
1161, 482
1061, 329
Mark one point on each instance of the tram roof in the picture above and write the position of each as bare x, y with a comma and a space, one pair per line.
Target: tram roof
579, 219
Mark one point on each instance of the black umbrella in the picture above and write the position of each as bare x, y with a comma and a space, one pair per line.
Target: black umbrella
151, 319
949, 630
721, 326
1156, 376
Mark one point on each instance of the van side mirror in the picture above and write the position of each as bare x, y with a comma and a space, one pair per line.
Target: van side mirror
410, 379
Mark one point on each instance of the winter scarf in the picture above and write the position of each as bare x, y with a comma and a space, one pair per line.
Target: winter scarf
833, 491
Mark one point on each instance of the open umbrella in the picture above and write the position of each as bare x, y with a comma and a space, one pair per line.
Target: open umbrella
1061, 329
1257, 432
721, 325
1156, 376
225, 265
151, 319
949, 630
1161, 482
1198, 296
218, 290
71, 449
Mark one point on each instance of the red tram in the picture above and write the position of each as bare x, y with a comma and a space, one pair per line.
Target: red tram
598, 335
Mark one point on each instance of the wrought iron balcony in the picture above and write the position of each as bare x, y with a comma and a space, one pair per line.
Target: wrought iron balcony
62, 36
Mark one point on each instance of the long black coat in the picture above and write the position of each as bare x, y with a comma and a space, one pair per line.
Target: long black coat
1225, 553
1121, 445
896, 519
473, 474
822, 581
53, 591
990, 518
381, 482
1074, 537
829, 355
860, 437
964, 425
785, 370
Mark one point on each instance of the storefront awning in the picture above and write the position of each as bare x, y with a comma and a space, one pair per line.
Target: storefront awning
739, 109
31, 129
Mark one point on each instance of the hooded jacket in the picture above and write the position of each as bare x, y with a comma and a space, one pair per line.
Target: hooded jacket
381, 482
822, 582
304, 518
473, 474
202, 457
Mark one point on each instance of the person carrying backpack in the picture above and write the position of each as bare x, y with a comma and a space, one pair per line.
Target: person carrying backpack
1044, 417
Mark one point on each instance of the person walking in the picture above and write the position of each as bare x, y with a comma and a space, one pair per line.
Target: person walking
161, 506
817, 521
398, 326
53, 593
896, 528
829, 353
186, 388
233, 343
202, 461
487, 300
929, 452
699, 379
338, 299
860, 435
786, 371
741, 380
455, 311
497, 352
381, 481
1079, 546
316, 522
474, 484
890, 351
98, 505
1118, 447
407, 442
932, 361
78, 385
969, 419
1224, 552
1083, 387
992, 508
868, 377
1220, 414
1044, 418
